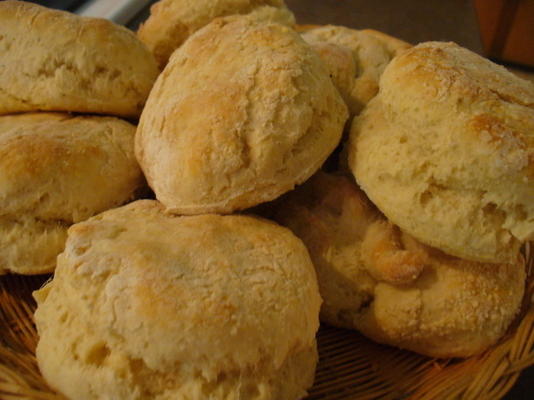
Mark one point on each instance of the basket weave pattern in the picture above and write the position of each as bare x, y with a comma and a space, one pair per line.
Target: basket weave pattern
350, 367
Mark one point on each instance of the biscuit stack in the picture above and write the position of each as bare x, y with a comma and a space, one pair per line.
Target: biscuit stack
182, 297
57, 168
425, 256
167, 298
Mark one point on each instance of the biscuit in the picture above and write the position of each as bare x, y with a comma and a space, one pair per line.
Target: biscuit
446, 151
55, 170
57, 61
146, 305
242, 113
340, 64
370, 50
379, 280
171, 22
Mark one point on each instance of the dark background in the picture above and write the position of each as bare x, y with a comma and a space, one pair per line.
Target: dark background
412, 20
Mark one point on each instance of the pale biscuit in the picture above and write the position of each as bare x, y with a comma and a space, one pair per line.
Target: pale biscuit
57, 61
340, 64
55, 170
242, 113
171, 22
370, 51
395, 290
446, 151
145, 305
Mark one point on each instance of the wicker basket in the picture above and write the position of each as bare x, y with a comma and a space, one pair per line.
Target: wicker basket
350, 367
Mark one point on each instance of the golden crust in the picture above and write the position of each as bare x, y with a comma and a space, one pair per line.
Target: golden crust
55, 170
446, 151
340, 64
149, 305
395, 290
57, 61
370, 50
171, 22
265, 121
30, 246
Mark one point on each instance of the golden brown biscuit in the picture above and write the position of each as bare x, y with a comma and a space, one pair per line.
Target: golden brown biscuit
340, 64
395, 290
264, 121
171, 22
57, 61
446, 151
55, 170
370, 51
145, 305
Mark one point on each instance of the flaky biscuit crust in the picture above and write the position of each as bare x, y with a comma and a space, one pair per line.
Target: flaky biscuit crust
379, 280
55, 170
370, 52
227, 140
149, 305
446, 151
58, 61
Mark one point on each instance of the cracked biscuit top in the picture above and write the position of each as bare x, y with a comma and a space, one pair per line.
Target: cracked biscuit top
147, 305
55, 170
57, 61
379, 280
242, 113
446, 152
